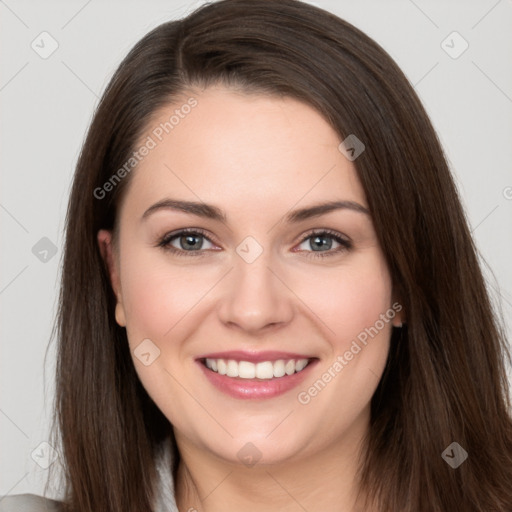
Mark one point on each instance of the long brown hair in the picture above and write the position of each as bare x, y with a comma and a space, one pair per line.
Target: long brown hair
445, 378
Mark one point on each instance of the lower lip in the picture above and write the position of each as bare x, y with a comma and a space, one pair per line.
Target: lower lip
254, 388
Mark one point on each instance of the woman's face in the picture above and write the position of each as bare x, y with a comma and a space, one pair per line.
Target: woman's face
258, 288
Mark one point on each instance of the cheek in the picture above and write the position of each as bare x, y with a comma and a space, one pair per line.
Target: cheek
158, 299
358, 313
349, 301
157, 296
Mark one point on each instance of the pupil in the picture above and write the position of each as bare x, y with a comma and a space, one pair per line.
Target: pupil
190, 242
323, 242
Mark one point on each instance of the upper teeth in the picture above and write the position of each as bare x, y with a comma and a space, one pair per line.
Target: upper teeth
263, 370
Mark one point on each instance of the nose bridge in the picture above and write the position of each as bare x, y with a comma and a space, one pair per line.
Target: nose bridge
255, 297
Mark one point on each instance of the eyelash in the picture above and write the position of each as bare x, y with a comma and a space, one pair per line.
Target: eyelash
345, 244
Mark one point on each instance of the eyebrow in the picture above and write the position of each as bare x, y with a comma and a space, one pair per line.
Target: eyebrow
213, 212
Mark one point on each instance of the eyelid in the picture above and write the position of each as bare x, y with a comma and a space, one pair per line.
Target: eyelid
325, 231
344, 241
166, 239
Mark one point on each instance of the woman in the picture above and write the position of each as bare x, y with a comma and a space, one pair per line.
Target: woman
270, 296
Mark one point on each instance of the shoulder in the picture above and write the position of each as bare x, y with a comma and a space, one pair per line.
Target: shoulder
28, 503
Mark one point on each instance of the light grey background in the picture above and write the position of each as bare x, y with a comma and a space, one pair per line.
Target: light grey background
48, 103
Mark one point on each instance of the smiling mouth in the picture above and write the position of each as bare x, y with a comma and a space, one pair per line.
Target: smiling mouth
264, 370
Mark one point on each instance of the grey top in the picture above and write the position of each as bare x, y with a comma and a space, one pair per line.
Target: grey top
28, 503
165, 502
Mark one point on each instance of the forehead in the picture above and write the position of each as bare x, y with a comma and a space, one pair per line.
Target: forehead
246, 150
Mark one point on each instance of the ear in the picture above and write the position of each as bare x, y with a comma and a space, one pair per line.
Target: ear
399, 318
111, 262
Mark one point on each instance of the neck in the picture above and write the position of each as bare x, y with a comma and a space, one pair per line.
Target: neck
326, 480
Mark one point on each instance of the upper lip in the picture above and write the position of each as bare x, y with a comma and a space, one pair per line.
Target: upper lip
254, 357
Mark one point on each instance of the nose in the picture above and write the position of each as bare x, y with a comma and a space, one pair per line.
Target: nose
256, 297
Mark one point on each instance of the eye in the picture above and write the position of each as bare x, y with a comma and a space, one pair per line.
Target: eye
324, 243
186, 241
191, 242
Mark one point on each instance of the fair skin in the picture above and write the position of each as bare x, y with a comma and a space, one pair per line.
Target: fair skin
257, 158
